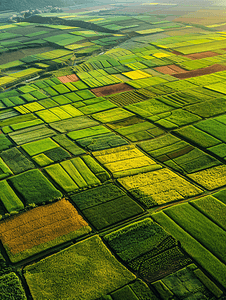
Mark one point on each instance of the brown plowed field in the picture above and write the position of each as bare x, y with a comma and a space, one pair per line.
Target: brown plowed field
40, 225
68, 78
170, 69
199, 72
111, 89
202, 55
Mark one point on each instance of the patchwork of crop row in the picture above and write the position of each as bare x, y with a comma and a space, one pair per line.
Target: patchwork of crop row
112, 170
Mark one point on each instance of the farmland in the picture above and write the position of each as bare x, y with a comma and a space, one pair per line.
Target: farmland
113, 153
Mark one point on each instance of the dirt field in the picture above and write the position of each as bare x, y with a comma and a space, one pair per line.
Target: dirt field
199, 72
111, 89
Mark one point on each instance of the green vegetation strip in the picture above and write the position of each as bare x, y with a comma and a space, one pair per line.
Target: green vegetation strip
198, 252
8, 197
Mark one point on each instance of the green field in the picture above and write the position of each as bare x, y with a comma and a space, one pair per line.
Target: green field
113, 151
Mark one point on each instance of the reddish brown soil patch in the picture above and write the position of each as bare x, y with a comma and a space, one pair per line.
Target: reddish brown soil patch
40, 225
176, 69
201, 55
199, 72
111, 89
165, 70
170, 69
68, 78
176, 52
73, 77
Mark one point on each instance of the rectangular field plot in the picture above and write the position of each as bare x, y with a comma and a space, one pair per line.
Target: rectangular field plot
148, 249
178, 154
76, 123
112, 115
130, 97
34, 187
150, 108
88, 282
174, 118
208, 108
125, 161
136, 129
16, 161
158, 187
97, 138
41, 228
93, 107
31, 134
72, 175
106, 205
191, 224
209, 134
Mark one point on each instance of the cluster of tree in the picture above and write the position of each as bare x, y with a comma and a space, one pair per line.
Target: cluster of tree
21, 5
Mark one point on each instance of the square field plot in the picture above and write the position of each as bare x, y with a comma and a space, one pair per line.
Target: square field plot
158, 187
87, 269
148, 249
41, 228
106, 205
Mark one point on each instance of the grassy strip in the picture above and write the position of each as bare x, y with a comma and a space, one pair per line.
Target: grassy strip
214, 209
61, 177
112, 115
9, 198
125, 293
4, 170
85, 172
42, 160
23, 125
199, 253
93, 165
198, 136
64, 142
200, 227
74, 173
